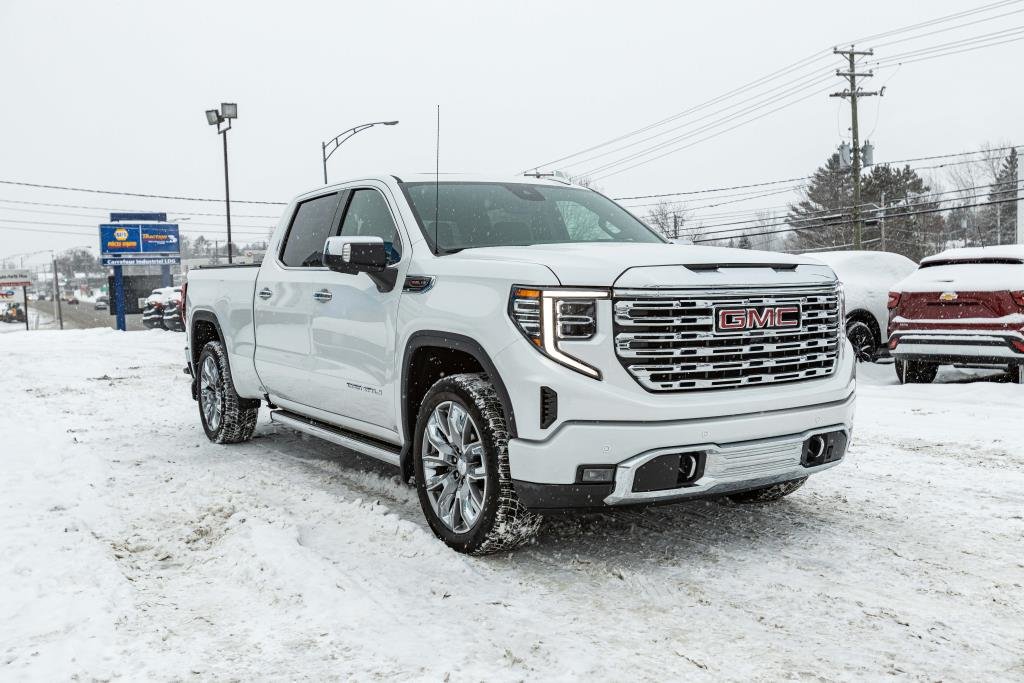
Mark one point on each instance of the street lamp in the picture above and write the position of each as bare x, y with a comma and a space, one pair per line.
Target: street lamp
342, 137
228, 111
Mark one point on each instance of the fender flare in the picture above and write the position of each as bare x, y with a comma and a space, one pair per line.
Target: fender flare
458, 342
204, 316
201, 315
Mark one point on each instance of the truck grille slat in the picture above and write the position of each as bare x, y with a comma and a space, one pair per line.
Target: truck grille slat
667, 340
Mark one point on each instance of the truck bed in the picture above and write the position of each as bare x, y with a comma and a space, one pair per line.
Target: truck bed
227, 293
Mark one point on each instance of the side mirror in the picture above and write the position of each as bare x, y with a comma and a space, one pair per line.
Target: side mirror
354, 255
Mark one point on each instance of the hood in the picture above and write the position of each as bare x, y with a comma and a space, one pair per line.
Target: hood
600, 264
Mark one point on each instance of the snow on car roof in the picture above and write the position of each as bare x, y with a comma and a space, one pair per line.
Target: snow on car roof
1003, 251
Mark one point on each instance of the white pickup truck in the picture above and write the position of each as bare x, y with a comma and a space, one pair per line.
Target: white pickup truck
520, 345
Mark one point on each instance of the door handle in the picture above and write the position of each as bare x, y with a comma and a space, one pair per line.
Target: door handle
323, 296
265, 293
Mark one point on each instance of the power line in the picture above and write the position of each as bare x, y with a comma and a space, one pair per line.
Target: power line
757, 83
919, 200
132, 194
101, 219
110, 208
933, 22
808, 177
709, 137
840, 223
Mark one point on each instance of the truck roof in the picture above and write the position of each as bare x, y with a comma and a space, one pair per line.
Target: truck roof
429, 177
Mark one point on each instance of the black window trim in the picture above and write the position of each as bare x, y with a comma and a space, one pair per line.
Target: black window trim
343, 194
347, 202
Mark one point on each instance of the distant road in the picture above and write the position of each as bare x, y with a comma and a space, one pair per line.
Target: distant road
83, 316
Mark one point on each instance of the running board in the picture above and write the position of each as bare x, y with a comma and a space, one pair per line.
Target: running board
322, 430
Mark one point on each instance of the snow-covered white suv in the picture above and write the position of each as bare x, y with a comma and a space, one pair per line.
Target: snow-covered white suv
516, 345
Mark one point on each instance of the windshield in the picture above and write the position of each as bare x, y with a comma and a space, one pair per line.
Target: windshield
518, 214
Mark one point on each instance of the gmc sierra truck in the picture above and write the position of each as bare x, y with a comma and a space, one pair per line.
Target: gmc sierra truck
520, 345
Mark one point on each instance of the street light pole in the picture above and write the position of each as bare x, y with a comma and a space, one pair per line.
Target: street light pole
228, 112
342, 137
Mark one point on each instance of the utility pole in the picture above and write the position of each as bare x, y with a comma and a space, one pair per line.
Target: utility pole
56, 293
881, 222
854, 93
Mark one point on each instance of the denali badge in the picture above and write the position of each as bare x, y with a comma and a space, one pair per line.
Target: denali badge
756, 318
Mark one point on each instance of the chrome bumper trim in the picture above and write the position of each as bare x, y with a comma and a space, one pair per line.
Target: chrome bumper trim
761, 461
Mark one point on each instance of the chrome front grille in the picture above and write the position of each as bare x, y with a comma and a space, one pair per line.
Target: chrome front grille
667, 339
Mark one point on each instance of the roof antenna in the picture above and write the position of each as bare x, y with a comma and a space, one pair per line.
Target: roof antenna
437, 173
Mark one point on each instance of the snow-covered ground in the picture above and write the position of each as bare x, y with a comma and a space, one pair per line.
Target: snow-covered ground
134, 549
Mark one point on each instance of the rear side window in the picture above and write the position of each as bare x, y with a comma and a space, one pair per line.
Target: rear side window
368, 216
311, 226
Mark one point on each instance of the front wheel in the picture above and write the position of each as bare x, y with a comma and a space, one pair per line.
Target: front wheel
460, 455
916, 371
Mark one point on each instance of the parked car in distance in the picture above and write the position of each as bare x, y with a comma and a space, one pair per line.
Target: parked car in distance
156, 302
962, 307
515, 345
73, 300
867, 277
101, 303
173, 319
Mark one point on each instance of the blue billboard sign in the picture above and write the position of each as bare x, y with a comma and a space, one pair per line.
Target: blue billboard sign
139, 239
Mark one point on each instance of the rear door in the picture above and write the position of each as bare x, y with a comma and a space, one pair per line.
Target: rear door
282, 303
353, 327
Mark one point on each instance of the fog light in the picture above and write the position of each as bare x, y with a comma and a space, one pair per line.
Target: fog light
597, 475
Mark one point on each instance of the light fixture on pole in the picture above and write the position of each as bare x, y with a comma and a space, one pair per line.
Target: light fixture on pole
228, 111
342, 137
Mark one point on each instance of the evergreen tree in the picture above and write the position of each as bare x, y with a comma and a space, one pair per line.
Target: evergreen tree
1002, 217
823, 218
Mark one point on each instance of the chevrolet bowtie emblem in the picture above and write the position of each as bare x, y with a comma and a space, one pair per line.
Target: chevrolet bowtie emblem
948, 296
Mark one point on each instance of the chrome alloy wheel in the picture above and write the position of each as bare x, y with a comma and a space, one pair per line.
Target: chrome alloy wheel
211, 394
454, 469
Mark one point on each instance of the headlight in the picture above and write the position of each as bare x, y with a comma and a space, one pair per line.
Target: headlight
549, 316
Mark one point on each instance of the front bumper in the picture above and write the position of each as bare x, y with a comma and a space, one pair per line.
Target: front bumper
740, 452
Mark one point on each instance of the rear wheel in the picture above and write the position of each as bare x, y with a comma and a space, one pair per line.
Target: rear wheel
768, 494
916, 371
460, 456
226, 416
863, 339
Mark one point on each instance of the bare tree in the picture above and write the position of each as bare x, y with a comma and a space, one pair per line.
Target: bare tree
672, 220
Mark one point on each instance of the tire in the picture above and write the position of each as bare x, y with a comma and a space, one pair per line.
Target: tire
1017, 374
863, 340
767, 494
916, 371
226, 416
460, 459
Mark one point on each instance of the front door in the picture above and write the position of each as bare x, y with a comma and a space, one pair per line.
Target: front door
283, 301
352, 334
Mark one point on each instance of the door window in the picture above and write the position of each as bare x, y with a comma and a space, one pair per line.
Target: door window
311, 226
368, 216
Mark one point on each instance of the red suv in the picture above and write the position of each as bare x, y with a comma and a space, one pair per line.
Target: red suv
960, 307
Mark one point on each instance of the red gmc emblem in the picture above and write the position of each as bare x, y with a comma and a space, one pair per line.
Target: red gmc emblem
756, 318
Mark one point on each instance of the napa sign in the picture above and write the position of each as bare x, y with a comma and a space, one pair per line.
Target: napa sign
139, 243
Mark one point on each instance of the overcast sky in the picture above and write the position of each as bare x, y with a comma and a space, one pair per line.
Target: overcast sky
111, 95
